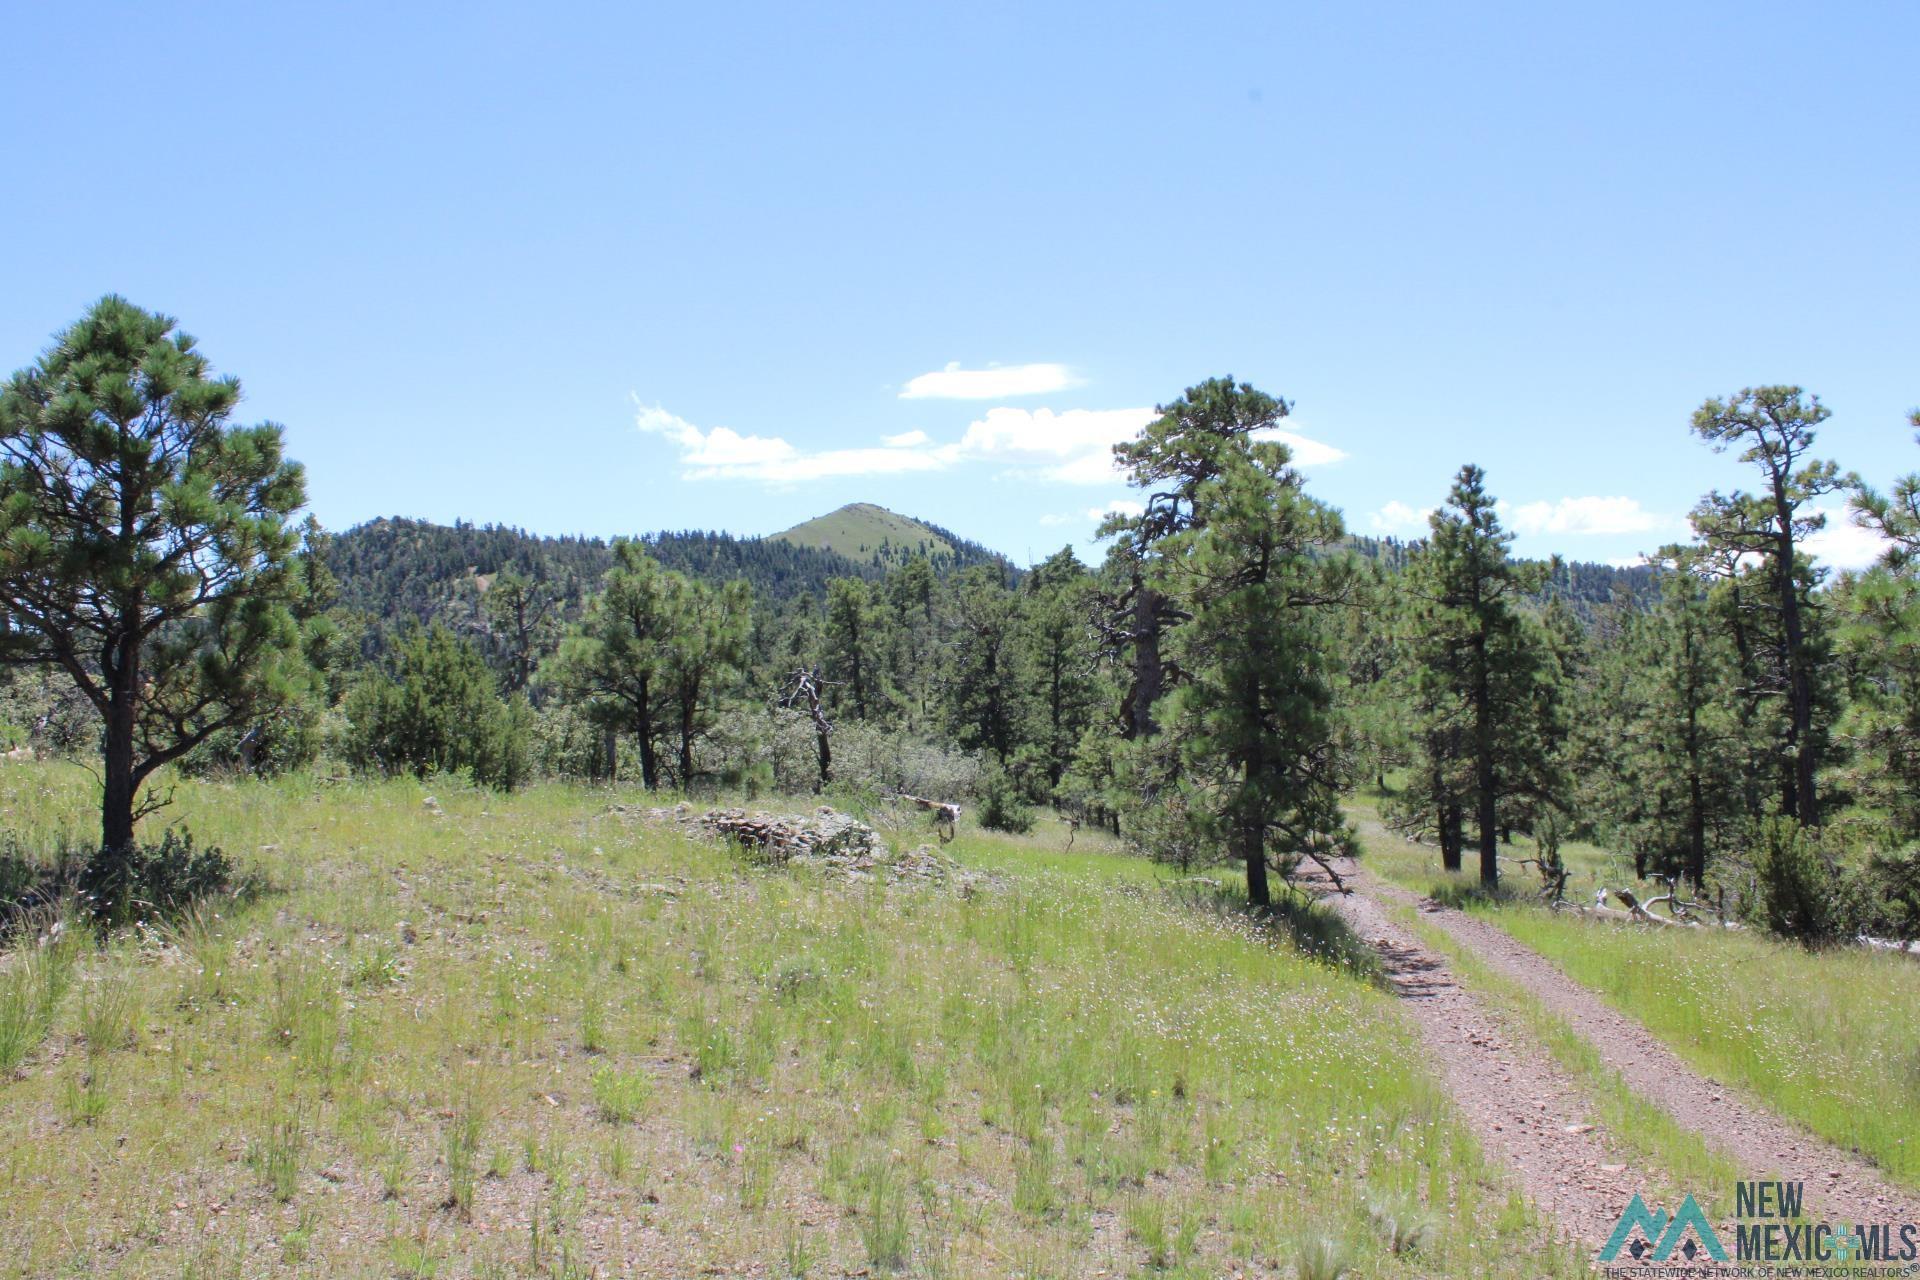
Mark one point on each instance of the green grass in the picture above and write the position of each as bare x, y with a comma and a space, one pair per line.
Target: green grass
525, 1035
1417, 866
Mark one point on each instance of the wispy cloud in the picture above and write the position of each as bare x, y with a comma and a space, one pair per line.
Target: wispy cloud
1072, 446
725, 454
1093, 515
1591, 516
995, 382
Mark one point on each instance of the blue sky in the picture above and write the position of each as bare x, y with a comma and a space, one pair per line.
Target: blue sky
615, 269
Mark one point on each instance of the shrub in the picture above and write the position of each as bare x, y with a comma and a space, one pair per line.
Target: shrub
1003, 807
1799, 892
1891, 890
149, 880
287, 740
439, 711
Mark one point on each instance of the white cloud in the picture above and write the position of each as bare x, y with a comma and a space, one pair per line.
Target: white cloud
1306, 453
995, 382
1075, 446
1119, 506
1585, 516
720, 450
1843, 544
1398, 517
723, 453
1122, 506
1072, 446
1628, 562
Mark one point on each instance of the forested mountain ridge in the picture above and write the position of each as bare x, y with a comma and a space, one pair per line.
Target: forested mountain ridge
394, 568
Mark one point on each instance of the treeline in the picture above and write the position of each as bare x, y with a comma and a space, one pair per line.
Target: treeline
1750, 733
1236, 664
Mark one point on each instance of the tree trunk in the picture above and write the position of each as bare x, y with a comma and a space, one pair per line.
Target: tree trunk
859, 682
1799, 680
610, 748
1489, 834
643, 727
121, 674
116, 802
686, 741
1149, 676
1696, 866
1253, 850
825, 751
1485, 798
1056, 713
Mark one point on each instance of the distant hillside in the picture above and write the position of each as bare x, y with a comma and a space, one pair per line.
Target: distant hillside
863, 531
393, 569
1584, 585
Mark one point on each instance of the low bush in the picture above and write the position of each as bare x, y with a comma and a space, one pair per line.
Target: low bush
1799, 892
154, 880
1003, 805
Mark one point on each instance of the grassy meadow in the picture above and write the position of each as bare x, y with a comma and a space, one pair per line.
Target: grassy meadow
529, 1035
1828, 1038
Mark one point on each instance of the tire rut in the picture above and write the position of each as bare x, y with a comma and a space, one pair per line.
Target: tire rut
1525, 1110
1840, 1185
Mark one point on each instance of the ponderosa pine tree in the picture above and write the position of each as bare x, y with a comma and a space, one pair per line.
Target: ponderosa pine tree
1674, 741
613, 662
987, 682
1481, 666
1255, 721
1773, 428
1895, 516
1879, 634
1187, 444
146, 545
1056, 595
523, 614
910, 592
707, 648
853, 642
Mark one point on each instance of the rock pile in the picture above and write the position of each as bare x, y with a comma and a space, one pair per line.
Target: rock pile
825, 833
826, 839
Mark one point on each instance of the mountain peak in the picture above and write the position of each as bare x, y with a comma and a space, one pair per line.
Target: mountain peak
867, 531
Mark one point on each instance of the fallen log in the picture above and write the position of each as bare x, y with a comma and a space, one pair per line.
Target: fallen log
1639, 911
945, 814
